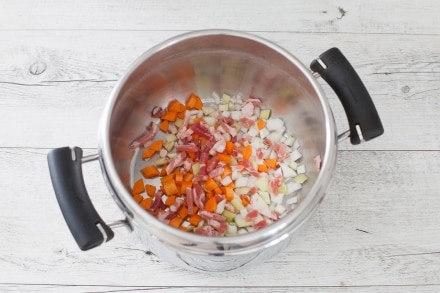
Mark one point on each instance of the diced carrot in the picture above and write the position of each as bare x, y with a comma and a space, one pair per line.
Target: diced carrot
245, 199
210, 184
224, 157
176, 221
229, 147
191, 102
170, 200
188, 177
247, 152
262, 168
197, 119
181, 115
195, 219
151, 189
229, 193
163, 171
271, 163
196, 136
179, 178
192, 155
231, 185
138, 186
146, 203
218, 190
148, 153
163, 126
183, 212
176, 106
169, 116
211, 205
169, 177
202, 140
156, 145
138, 198
208, 195
150, 171
227, 171
194, 102
199, 104
170, 187
261, 124
184, 185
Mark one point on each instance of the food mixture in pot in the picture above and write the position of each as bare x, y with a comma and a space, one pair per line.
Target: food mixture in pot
224, 168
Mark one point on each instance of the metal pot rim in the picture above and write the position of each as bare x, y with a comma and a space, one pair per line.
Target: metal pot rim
229, 245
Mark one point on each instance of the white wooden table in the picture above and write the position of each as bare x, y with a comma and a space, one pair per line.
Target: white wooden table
378, 229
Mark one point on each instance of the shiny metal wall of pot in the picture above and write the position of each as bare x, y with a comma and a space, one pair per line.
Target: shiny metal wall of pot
203, 62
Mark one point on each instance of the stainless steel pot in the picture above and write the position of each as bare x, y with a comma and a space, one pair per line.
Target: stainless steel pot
203, 62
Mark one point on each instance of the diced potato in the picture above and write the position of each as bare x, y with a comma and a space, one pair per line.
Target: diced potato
223, 107
301, 178
170, 137
279, 209
169, 145
236, 203
209, 120
178, 122
226, 98
265, 196
262, 183
228, 215
196, 168
265, 114
241, 222
207, 110
161, 161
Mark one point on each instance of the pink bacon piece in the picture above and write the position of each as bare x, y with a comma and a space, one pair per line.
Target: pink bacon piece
246, 122
175, 162
247, 110
228, 129
158, 112
198, 196
191, 147
281, 150
202, 129
148, 135
207, 231
260, 224
275, 183
254, 101
212, 216
220, 227
190, 201
318, 162
157, 201
218, 147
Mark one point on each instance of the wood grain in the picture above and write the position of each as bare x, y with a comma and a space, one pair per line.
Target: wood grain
401, 17
230, 289
378, 229
366, 233
76, 75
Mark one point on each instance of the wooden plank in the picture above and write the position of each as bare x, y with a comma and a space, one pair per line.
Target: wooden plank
298, 16
55, 84
6, 288
378, 226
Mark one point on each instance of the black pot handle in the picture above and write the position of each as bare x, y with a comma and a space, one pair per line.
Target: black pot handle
86, 226
359, 108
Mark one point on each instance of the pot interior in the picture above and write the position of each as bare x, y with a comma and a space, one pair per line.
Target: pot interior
218, 62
